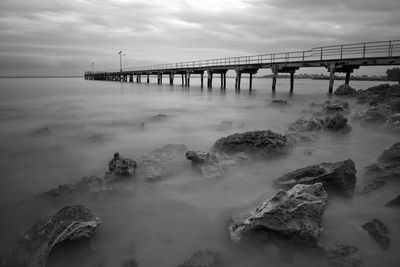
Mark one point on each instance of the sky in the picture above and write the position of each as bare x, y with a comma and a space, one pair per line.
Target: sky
63, 37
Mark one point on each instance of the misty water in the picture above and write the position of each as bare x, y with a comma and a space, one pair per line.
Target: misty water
163, 223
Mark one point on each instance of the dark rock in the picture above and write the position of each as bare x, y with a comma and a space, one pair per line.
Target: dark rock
384, 171
158, 118
292, 216
62, 192
258, 143
345, 90
395, 104
302, 125
208, 163
162, 163
121, 166
224, 126
338, 177
374, 184
393, 122
344, 256
394, 202
391, 155
378, 231
279, 102
336, 123
202, 259
42, 132
70, 224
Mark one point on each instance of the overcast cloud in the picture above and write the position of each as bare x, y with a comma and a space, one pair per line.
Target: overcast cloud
62, 37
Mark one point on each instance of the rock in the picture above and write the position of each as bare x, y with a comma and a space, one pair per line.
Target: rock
376, 114
300, 137
339, 177
378, 231
337, 106
202, 259
391, 155
395, 104
279, 102
121, 166
336, 123
257, 143
394, 202
292, 216
70, 224
344, 256
393, 122
208, 164
302, 125
345, 90
158, 118
224, 126
42, 132
374, 184
384, 171
162, 163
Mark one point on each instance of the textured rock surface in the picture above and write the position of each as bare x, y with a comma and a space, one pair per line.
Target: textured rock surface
258, 143
394, 202
378, 231
292, 216
163, 162
374, 185
345, 90
338, 177
208, 164
393, 122
202, 259
344, 256
302, 125
71, 223
391, 154
279, 102
336, 123
376, 114
121, 166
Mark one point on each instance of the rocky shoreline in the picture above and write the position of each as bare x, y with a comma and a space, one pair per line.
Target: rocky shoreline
292, 217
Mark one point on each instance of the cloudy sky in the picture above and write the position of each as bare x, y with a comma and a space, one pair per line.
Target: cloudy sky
63, 37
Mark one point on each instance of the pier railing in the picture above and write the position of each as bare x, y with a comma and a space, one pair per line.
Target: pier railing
381, 49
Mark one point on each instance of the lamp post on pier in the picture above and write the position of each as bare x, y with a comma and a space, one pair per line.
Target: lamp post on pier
120, 60
93, 67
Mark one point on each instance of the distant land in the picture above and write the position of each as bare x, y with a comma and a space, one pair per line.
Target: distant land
326, 77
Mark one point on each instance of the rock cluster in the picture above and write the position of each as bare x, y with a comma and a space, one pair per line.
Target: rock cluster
345, 90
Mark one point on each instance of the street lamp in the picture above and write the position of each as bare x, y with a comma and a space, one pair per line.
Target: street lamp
120, 60
93, 67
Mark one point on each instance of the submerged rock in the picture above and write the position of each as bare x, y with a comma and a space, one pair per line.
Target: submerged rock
394, 202
42, 132
376, 114
258, 143
70, 224
378, 231
122, 166
162, 162
279, 102
344, 256
294, 138
345, 90
335, 107
302, 125
292, 216
391, 154
336, 123
158, 118
374, 185
224, 126
338, 177
202, 259
208, 163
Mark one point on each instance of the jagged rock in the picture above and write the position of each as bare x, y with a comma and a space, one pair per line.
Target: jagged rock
374, 184
394, 202
121, 166
70, 224
391, 155
338, 177
42, 132
208, 163
345, 90
162, 162
302, 125
292, 216
344, 256
390, 172
385, 90
158, 118
202, 259
279, 102
393, 122
336, 123
337, 106
378, 231
224, 126
258, 143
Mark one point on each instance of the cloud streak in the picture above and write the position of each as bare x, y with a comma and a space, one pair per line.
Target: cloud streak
40, 37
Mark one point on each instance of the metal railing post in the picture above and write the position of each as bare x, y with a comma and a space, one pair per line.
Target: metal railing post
390, 48
321, 53
363, 50
341, 51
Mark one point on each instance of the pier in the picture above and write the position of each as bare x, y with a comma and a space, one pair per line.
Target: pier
336, 59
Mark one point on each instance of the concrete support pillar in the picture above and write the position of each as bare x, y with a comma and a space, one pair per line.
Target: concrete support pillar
251, 82
186, 79
159, 78
225, 80
171, 78
274, 77
148, 78
238, 80
347, 81
331, 78
183, 79
291, 81
131, 78
201, 80
222, 80
209, 78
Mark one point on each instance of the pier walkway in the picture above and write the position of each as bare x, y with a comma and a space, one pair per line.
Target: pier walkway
336, 59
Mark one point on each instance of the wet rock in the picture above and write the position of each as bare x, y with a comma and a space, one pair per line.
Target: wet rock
257, 143
70, 224
279, 102
158, 118
302, 125
202, 259
162, 163
376, 114
394, 202
292, 216
378, 231
374, 185
344, 256
345, 90
62, 192
208, 163
224, 126
336, 123
300, 137
391, 154
335, 107
42, 132
339, 177
384, 171
122, 166
393, 122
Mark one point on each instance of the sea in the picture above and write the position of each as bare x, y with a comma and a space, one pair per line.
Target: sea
55, 131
